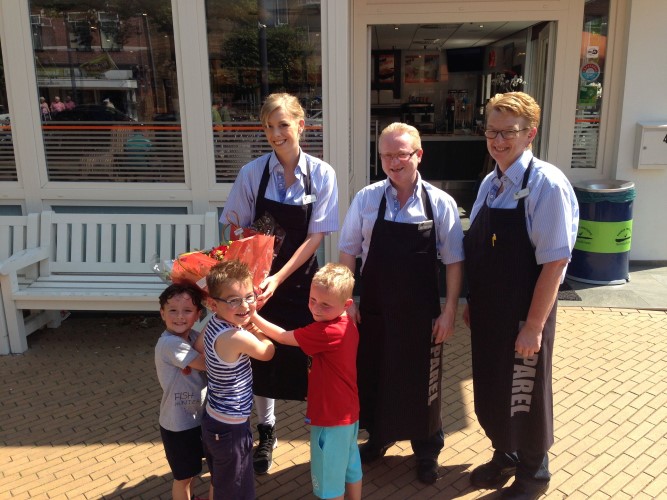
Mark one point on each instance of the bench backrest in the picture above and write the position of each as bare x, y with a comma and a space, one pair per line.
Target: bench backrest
121, 243
18, 232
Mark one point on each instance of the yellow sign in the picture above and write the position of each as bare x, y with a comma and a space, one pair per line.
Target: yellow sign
99, 64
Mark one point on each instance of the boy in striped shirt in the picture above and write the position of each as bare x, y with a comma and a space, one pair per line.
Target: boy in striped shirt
228, 347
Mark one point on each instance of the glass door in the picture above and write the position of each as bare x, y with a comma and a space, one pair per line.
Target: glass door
439, 76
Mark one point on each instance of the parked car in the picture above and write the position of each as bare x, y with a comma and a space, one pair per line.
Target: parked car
92, 113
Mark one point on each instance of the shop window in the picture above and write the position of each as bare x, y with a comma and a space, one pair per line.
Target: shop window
256, 48
109, 31
36, 30
108, 90
80, 35
591, 84
7, 159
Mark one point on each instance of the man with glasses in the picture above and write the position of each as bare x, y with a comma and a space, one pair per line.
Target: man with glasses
400, 227
523, 228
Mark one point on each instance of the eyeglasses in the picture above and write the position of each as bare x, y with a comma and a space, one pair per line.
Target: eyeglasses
237, 301
505, 134
397, 156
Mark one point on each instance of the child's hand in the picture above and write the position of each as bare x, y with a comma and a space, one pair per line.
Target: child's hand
252, 327
186, 371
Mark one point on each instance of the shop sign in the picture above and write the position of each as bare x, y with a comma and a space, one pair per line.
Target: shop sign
590, 72
592, 52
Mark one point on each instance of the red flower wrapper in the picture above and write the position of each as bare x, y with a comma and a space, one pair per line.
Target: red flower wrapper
192, 267
257, 252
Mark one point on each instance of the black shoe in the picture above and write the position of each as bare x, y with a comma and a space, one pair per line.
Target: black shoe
427, 470
523, 490
491, 475
262, 459
370, 452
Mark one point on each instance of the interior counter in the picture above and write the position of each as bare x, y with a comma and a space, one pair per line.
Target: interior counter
453, 157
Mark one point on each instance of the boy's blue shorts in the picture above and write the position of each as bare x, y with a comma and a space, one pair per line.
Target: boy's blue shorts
334, 459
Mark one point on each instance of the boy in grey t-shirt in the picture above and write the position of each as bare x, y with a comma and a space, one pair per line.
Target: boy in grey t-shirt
180, 370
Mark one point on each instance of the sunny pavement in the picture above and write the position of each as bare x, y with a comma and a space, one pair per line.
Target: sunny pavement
79, 411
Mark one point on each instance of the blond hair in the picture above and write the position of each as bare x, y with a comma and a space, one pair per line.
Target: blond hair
225, 274
518, 104
287, 102
403, 128
336, 278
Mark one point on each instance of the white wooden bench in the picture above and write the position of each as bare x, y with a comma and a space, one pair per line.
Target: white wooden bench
96, 262
17, 232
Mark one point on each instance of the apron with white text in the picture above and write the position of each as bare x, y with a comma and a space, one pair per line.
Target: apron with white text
398, 364
513, 396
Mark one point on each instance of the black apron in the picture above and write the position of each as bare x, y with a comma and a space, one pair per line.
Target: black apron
398, 364
513, 398
286, 375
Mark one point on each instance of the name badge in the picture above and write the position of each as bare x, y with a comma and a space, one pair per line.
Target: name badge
428, 224
521, 194
309, 198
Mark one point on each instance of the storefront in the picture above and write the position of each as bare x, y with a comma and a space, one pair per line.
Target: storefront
356, 65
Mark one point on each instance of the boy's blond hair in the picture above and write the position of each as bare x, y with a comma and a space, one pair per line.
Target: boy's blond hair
336, 278
226, 273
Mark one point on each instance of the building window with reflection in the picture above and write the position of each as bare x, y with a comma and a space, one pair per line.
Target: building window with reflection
591, 84
257, 47
106, 73
7, 159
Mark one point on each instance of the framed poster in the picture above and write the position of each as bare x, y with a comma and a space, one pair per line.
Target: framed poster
414, 68
386, 71
421, 68
431, 67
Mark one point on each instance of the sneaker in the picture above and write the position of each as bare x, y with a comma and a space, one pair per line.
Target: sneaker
262, 459
491, 475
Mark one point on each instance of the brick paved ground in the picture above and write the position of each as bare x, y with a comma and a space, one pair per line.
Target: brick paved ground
78, 417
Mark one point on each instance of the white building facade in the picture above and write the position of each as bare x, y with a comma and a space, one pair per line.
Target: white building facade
597, 67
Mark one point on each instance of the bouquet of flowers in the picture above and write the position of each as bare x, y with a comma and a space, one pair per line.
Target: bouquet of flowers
192, 267
265, 224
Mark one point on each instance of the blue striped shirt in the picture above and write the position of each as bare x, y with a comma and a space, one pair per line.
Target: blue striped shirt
552, 212
355, 236
229, 384
324, 218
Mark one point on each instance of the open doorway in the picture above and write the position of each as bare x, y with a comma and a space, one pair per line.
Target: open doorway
438, 77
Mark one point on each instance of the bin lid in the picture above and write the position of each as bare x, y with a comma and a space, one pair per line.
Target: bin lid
604, 186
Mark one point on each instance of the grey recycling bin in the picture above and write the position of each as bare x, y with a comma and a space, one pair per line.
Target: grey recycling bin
600, 254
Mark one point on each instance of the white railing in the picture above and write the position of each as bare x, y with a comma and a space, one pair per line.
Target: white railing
7, 161
114, 152
586, 138
150, 152
236, 143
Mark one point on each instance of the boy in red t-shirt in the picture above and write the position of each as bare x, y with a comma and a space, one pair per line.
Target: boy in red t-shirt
333, 401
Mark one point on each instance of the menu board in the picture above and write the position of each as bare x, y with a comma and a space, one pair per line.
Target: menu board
386, 71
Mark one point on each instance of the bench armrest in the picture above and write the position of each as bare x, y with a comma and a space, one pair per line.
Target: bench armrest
22, 259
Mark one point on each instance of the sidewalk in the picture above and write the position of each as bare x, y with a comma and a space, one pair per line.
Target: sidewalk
79, 416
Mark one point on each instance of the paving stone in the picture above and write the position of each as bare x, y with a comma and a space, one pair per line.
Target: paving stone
79, 416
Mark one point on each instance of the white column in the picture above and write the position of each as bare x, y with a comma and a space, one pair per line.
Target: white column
23, 102
191, 42
336, 103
